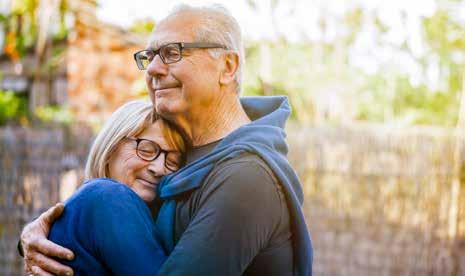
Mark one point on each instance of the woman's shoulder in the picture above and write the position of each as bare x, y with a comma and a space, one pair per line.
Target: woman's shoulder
101, 190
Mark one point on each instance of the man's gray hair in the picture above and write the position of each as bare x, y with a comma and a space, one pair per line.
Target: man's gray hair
218, 26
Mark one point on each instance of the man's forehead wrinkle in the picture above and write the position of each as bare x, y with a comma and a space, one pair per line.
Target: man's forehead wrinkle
156, 42
173, 29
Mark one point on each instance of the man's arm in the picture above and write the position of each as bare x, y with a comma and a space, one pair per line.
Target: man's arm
234, 218
38, 250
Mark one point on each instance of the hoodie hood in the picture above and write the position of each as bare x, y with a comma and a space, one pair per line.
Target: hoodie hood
268, 115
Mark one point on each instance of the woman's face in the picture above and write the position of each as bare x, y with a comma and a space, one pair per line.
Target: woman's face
142, 176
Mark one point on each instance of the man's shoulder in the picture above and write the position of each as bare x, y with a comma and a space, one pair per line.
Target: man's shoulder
244, 173
244, 178
246, 164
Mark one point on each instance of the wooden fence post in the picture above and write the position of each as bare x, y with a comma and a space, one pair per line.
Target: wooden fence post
455, 231
457, 187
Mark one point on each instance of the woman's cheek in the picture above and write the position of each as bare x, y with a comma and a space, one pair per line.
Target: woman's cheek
140, 164
135, 166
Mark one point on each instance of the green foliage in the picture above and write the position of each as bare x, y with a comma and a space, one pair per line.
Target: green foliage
421, 106
63, 30
12, 107
142, 26
54, 114
390, 96
409, 105
58, 57
22, 28
315, 73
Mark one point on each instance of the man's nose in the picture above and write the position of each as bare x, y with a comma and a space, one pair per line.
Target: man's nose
157, 67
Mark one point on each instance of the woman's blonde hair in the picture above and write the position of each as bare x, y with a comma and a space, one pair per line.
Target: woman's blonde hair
128, 120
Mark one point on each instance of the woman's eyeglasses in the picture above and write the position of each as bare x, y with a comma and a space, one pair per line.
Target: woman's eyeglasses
148, 150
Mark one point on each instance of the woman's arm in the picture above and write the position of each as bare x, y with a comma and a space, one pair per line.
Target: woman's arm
110, 230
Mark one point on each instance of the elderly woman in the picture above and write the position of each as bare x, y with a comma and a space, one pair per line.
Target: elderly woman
107, 223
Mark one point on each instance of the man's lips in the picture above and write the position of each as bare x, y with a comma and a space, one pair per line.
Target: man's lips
159, 92
160, 88
163, 86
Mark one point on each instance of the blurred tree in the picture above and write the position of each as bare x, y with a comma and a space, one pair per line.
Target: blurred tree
324, 82
142, 26
21, 28
27, 25
36, 28
435, 99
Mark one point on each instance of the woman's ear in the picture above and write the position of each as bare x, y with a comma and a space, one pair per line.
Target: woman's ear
230, 66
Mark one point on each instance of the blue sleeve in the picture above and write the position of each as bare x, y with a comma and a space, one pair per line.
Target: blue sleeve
119, 226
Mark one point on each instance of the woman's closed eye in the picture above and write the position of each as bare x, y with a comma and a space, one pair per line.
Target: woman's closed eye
173, 161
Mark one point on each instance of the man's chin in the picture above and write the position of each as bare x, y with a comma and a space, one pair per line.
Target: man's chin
163, 109
167, 109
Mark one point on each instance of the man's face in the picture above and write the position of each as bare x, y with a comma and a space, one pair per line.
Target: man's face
188, 85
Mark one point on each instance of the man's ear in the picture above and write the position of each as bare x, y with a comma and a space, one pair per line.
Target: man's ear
230, 66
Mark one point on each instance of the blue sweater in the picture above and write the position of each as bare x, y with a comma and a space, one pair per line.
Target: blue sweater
110, 230
265, 137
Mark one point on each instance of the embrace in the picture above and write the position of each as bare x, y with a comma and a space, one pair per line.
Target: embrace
195, 183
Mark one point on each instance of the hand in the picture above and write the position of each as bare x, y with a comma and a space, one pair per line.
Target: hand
38, 250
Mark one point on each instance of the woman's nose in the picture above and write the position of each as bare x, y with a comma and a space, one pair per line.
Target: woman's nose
157, 166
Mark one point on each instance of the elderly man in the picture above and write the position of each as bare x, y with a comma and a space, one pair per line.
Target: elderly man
235, 208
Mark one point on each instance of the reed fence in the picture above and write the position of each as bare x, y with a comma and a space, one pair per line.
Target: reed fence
378, 201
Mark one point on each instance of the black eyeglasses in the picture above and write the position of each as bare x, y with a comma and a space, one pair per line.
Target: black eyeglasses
148, 150
170, 53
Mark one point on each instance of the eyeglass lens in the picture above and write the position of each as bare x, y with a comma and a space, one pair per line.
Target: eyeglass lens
169, 53
147, 150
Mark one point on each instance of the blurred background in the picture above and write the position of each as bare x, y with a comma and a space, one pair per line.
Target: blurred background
377, 132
